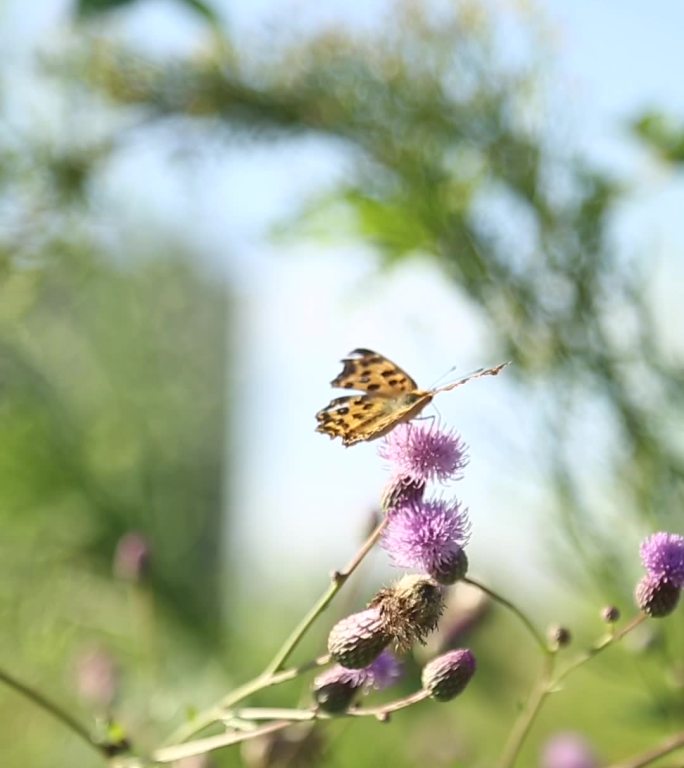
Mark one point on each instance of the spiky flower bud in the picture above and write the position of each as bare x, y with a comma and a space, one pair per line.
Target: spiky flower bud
559, 637
610, 614
447, 676
401, 491
656, 595
451, 569
411, 609
357, 640
335, 697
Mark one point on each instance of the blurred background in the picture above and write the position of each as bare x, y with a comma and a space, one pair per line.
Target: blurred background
204, 205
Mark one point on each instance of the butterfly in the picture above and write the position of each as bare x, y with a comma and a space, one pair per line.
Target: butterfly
392, 397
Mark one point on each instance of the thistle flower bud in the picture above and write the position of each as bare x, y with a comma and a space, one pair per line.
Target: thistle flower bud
448, 675
401, 491
656, 595
610, 614
411, 609
335, 697
335, 689
357, 640
451, 569
559, 637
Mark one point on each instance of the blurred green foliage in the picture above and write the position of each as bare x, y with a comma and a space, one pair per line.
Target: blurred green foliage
662, 134
113, 353
449, 166
91, 8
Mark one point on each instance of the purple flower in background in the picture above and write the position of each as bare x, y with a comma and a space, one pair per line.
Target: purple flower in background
132, 557
337, 688
96, 677
383, 672
663, 555
426, 535
380, 674
419, 453
568, 750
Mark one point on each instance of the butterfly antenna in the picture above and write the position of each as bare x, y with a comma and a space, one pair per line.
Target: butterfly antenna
479, 373
443, 376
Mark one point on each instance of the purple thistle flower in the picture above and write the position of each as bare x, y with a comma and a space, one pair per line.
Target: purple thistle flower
568, 750
663, 555
419, 454
427, 535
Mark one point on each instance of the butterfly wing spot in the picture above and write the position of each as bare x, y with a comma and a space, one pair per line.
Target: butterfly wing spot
351, 418
368, 371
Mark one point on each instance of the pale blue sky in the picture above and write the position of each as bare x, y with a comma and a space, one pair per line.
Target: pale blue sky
297, 492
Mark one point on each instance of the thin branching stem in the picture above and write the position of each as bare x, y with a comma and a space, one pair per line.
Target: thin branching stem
211, 743
273, 673
218, 711
54, 710
589, 654
669, 746
524, 723
538, 638
547, 683
280, 719
337, 582
381, 712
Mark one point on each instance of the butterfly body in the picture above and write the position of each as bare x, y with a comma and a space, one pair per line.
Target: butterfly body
391, 397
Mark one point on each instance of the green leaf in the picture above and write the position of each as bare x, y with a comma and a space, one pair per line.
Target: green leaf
93, 7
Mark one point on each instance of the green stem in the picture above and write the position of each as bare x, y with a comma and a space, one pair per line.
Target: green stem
526, 720
338, 580
53, 709
646, 758
284, 718
547, 683
215, 713
272, 674
539, 639
297, 715
601, 646
202, 746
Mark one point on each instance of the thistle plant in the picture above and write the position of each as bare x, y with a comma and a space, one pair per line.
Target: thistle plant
426, 534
